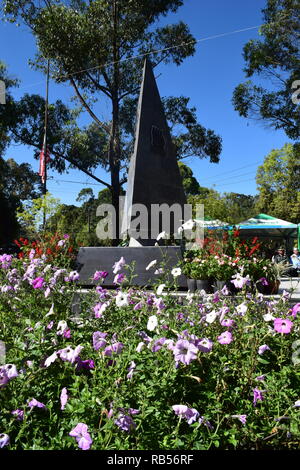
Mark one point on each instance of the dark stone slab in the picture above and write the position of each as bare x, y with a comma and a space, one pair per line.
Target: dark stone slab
91, 259
153, 176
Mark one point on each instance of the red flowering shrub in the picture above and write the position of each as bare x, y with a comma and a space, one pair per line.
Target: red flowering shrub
59, 249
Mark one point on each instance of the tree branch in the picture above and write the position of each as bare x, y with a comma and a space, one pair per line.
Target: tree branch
84, 103
131, 92
70, 160
98, 86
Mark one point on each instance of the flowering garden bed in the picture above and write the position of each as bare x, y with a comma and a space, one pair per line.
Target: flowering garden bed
139, 370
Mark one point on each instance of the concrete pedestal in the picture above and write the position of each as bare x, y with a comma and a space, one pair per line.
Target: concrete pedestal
91, 259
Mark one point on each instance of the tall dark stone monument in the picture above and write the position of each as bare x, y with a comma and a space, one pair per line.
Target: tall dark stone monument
153, 176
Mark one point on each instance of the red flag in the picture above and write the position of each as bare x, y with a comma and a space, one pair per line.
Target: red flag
43, 162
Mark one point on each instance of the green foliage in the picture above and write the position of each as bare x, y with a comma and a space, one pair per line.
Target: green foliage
218, 383
275, 58
228, 207
85, 195
32, 214
100, 39
278, 181
190, 184
18, 183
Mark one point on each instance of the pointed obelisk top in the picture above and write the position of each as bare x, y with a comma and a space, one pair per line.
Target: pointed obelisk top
153, 176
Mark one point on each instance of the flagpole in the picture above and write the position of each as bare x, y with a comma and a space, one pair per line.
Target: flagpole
45, 141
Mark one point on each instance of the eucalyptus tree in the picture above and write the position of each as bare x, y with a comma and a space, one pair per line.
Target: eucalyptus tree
98, 47
273, 61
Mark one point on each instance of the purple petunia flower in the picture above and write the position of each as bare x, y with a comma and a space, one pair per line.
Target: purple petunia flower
257, 395
88, 364
19, 414
67, 333
100, 275
184, 351
283, 325
158, 343
11, 370
260, 378
35, 404
263, 281
3, 378
99, 340
144, 336
4, 440
225, 338
119, 265
119, 278
131, 370
242, 418
5, 261
138, 306
125, 422
115, 348
83, 438
63, 398
204, 345
190, 414
205, 422
263, 348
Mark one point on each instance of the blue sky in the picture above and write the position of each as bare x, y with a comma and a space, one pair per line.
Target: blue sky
208, 78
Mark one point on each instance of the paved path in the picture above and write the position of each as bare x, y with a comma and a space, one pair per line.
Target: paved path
291, 285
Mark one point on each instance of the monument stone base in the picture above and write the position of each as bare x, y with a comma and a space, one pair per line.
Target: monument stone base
91, 259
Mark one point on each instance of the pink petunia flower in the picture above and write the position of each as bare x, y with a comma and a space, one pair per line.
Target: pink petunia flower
295, 310
283, 325
225, 338
38, 283
63, 398
263, 348
83, 438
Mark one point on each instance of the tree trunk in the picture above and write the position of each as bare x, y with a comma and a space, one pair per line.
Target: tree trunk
114, 148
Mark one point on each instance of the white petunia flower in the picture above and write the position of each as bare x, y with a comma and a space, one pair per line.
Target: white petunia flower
121, 299
50, 359
152, 323
61, 327
188, 225
140, 346
176, 272
153, 263
159, 271
160, 289
268, 317
210, 317
163, 235
51, 311
242, 309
